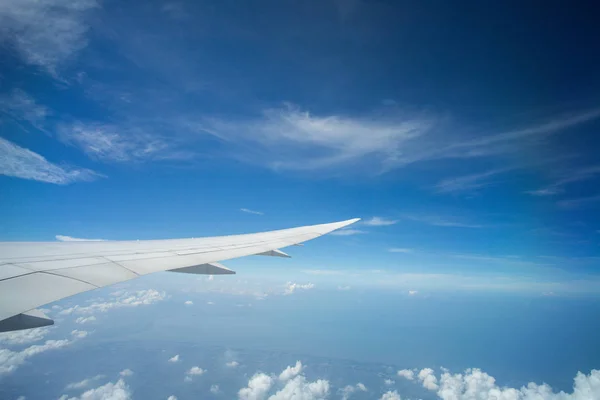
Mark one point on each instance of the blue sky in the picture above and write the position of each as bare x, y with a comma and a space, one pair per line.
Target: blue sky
463, 134
468, 131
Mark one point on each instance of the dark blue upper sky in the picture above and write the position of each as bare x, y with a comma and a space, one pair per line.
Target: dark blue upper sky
464, 133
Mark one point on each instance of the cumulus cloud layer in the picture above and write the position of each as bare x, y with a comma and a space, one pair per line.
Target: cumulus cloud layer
126, 299
109, 391
257, 389
291, 372
192, 372
295, 386
407, 373
11, 360
300, 388
196, 371
476, 384
389, 395
349, 389
24, 336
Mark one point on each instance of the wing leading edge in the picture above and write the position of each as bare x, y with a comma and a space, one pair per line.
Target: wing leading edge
36, 273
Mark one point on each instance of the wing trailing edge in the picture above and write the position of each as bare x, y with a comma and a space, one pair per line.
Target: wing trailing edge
28, 320
274, 253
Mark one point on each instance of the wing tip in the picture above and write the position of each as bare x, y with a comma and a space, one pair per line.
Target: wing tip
338, 225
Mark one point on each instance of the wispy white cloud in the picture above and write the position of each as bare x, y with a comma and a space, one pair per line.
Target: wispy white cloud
63, 238
174, 359
22, 163
45, 33
576, 175
468, 182
502, 143
247, 210
126, 372
20, 106
120, 144
348, 232
379, 221
290, 138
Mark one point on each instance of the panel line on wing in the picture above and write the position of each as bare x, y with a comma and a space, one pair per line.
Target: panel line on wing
16, 276
68, 277
122, 266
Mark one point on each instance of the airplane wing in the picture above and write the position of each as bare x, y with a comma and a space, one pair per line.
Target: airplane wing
36, 273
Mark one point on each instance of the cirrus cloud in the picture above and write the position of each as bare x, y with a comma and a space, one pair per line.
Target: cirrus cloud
22, 163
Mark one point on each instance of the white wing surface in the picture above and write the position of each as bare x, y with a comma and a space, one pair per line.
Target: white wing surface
36, 273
